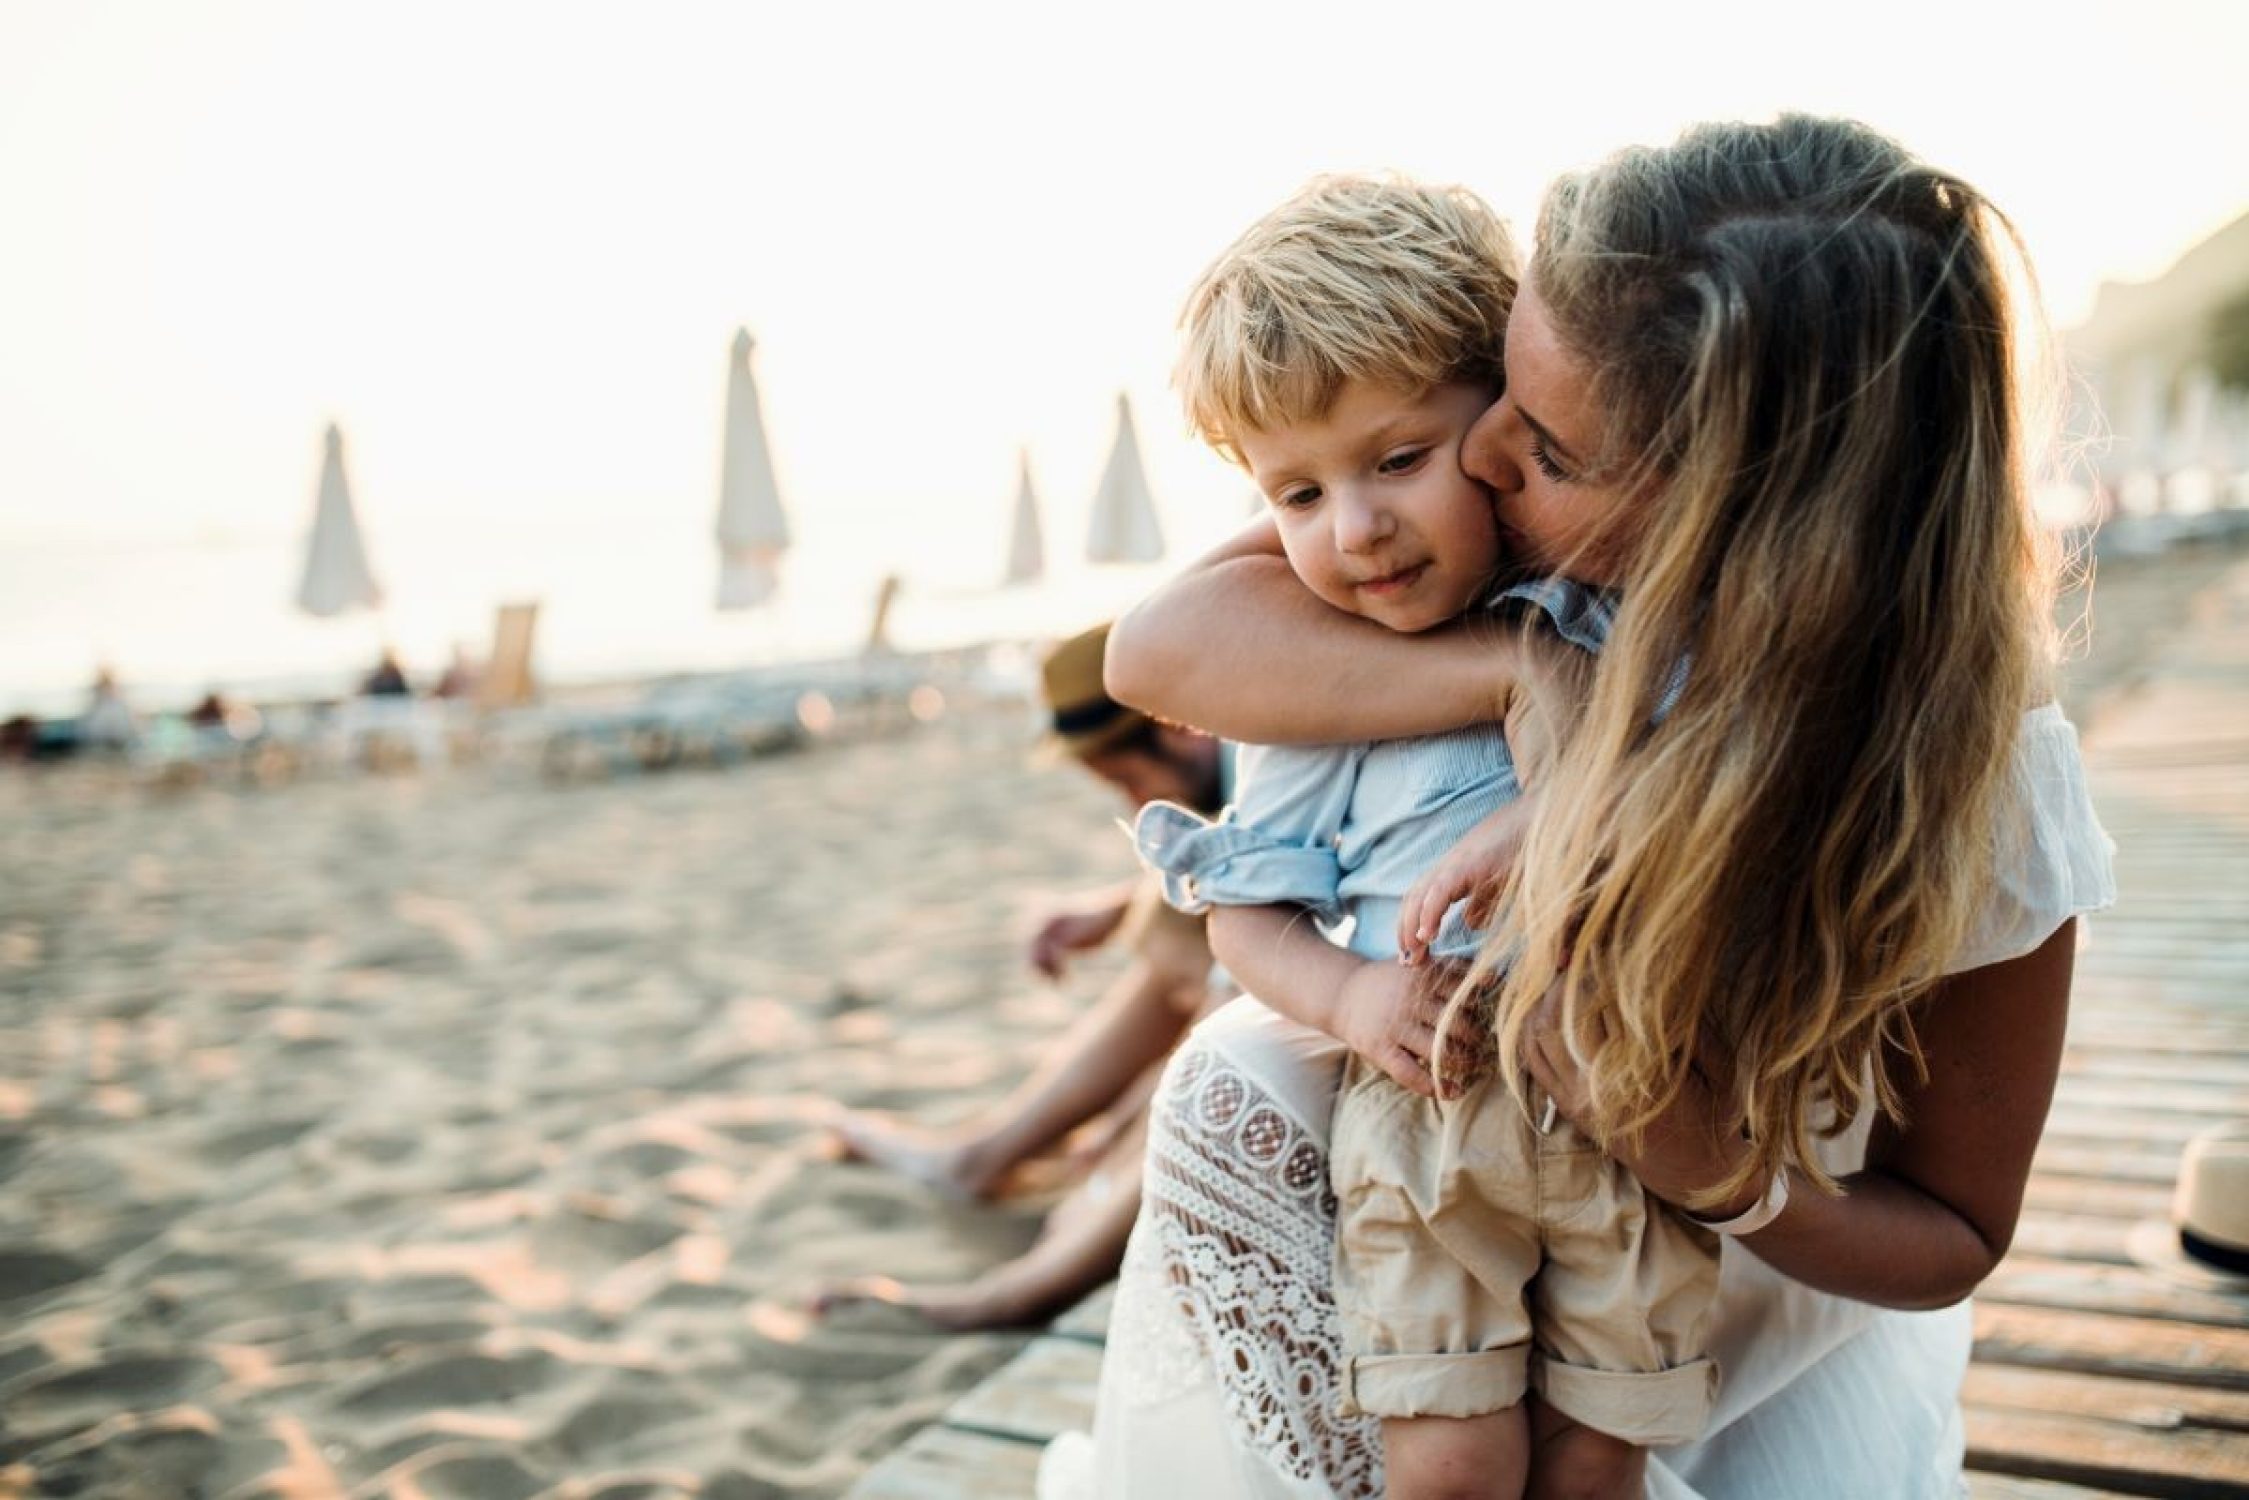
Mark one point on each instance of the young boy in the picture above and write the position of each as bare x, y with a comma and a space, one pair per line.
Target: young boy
1340, 351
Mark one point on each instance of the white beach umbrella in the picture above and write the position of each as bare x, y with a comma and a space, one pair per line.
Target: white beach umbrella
752, 531
1124, 528
1026, 544
337, 577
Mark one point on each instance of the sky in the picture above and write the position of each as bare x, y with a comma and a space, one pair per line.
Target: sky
505, 246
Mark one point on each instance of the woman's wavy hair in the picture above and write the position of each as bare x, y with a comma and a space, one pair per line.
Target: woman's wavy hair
1804, 343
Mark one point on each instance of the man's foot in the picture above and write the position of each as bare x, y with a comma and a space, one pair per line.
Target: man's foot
945, 1162
959, 1309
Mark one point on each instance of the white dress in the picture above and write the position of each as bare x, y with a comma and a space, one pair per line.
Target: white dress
1221, 1372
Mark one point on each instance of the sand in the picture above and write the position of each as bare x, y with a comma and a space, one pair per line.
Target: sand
451, 1134
454, 1134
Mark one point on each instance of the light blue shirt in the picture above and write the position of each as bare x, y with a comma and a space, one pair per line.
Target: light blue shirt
1345, 830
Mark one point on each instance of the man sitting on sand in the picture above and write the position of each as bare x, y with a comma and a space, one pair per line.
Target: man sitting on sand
1103, 1068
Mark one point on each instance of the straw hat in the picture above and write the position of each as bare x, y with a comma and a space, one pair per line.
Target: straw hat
2205, 1242
1085, 719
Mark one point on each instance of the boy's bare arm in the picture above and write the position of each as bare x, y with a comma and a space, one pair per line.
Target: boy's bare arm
1239, 646
1384, 1012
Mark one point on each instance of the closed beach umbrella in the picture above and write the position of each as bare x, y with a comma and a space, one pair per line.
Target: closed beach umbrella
1026, 546
1124, 528
752, 532
337, 577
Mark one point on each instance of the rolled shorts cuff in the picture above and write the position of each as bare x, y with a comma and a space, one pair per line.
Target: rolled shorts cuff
1644, 1407
1435, 1385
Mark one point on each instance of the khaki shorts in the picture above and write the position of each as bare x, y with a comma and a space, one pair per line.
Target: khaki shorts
1477, 1258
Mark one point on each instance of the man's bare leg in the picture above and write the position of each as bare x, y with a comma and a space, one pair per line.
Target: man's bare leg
1081, 1246
1135, 1023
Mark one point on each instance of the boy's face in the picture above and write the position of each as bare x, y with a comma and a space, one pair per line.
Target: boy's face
1375, 513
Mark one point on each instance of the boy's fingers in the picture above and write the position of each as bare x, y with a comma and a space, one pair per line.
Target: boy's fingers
1409, 925
1409, 1074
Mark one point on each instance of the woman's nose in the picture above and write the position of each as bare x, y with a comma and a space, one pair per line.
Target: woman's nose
1483, 452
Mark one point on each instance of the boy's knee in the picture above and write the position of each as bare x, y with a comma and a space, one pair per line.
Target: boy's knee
1455, 1458
1578, 1463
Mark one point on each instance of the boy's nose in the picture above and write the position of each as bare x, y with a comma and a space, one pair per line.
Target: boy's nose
1362, 524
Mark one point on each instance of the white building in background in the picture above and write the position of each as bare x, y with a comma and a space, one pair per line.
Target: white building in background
2162, 435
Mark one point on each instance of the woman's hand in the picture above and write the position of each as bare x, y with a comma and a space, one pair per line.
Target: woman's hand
1388, 1014
1471, 872
1695, 1143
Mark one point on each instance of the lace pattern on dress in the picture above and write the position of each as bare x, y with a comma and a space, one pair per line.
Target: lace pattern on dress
1228, 1278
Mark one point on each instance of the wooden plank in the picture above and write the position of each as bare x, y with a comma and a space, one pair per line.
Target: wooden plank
2152, 1404
1088, 1320
2212, 1103
2106, 1030
2044, 1282
1046, 1389
2219, 976
944, 1463
2142, 1127
2167, 998
2189, 1465
2220, 1069
2066, 1237
1983, 1486
2099, 1344
2097, 1198
2163, 950
2079, 1156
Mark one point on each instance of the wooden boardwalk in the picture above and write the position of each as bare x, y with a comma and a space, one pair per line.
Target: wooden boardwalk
2092, 1376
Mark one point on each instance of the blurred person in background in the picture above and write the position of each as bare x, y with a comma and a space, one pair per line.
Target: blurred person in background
1097, 1078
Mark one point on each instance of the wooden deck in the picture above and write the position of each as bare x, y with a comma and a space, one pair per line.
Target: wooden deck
2092, 1376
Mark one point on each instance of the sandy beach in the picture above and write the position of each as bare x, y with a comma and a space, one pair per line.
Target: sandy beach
453, 1134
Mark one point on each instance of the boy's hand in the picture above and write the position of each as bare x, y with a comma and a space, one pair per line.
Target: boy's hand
1388, 1014
1471, 872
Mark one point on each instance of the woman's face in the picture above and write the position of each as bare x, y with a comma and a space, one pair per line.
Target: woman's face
1534, 447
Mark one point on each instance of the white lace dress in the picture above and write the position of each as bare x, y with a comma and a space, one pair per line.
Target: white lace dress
1221, 1372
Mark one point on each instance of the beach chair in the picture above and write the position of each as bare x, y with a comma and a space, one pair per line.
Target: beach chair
508, 679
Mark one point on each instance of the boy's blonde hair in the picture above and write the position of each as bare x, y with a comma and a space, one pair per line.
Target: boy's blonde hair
1380, 279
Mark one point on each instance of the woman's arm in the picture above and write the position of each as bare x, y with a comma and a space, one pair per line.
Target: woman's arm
1935, 1208
1236, 645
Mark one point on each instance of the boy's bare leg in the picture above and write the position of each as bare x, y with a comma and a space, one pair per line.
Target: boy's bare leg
1080, 1247
1092, 1067
1570, 1460
1457, 1458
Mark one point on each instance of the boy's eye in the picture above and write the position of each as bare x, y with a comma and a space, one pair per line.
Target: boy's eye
1296, 499
1401, 463
1545, 462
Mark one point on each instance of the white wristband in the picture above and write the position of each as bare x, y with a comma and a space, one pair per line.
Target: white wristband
1757, 1215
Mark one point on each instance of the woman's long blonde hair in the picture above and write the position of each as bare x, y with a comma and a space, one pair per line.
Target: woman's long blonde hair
1803, 345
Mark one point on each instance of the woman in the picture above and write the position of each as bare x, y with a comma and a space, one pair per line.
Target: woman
1763, 381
